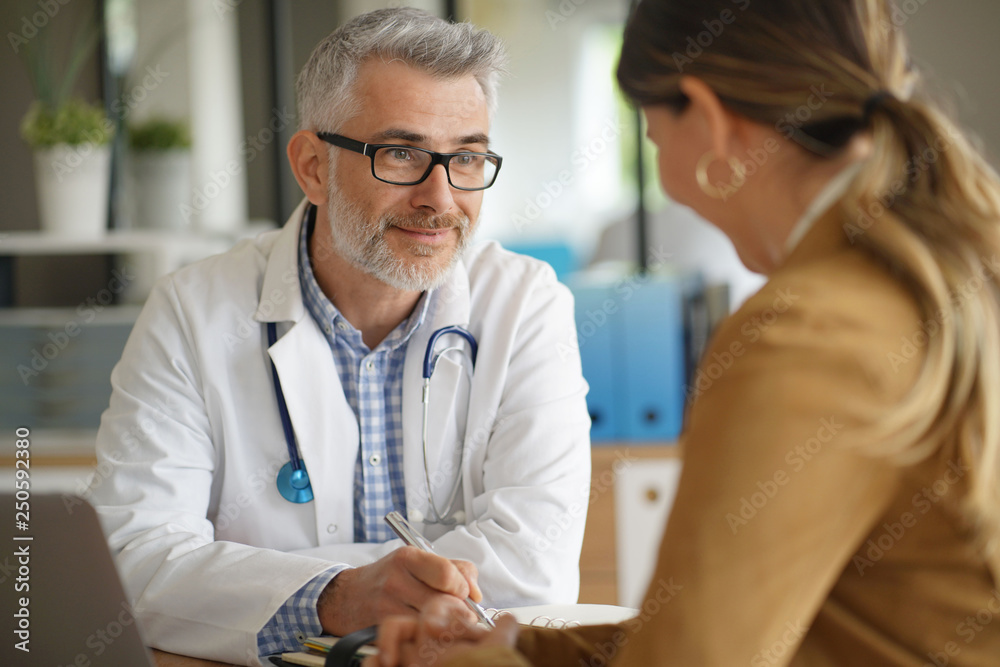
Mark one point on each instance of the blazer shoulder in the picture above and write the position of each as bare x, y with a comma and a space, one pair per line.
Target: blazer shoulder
847, 309
846, 291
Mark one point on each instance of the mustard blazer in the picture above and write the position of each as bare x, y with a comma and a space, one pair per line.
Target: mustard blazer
787, 545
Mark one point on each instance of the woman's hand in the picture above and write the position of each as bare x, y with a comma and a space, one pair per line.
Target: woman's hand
440, 633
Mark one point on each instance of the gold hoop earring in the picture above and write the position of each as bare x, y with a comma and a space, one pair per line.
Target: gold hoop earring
714, 191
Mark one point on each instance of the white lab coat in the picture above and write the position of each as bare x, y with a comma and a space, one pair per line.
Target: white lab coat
207, 547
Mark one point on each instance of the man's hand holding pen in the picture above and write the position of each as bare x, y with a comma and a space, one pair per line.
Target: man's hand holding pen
404, 582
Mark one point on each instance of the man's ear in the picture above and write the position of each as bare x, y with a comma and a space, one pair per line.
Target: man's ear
307, 156
720, 125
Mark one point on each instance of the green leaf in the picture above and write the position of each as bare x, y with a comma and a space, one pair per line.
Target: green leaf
75, 123
159, 134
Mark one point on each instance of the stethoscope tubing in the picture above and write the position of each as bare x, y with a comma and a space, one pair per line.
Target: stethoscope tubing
293, 479
286, 420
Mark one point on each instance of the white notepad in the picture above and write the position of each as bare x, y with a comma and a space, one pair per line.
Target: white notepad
567, 615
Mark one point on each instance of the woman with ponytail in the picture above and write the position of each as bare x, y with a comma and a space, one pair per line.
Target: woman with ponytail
840, 500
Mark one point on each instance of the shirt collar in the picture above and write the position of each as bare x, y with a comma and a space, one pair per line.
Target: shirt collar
830, 193
329, 318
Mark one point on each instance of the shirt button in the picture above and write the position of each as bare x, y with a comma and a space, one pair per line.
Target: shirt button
370, 365
332, 528
374, 459
341, 326
327, 329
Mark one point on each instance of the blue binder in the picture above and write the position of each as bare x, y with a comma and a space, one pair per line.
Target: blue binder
597, 331
652, 339
631, 331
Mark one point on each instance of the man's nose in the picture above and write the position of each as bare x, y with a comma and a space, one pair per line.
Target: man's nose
434, 194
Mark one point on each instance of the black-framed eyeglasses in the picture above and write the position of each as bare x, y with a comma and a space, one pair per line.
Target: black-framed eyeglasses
409, 165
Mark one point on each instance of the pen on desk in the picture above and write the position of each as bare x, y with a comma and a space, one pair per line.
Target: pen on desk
409, 535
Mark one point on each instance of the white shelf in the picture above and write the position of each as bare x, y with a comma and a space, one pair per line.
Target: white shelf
52, 443
118, 241
59, 317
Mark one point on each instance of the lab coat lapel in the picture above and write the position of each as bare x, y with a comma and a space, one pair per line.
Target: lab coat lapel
448, 405
326, 429
280, 292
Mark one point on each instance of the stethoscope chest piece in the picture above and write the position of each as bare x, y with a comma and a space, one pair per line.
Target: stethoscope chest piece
293, 485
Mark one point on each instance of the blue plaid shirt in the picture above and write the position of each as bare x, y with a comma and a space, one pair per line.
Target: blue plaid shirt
373, 385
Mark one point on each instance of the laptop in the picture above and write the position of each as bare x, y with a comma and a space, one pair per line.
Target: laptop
63, 603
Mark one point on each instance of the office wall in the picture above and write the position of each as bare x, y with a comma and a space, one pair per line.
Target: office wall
955, 39
955, 42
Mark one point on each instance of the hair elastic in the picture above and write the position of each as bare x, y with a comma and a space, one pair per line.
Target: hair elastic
873, 102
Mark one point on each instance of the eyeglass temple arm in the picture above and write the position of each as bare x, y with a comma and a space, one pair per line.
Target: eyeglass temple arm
344, 142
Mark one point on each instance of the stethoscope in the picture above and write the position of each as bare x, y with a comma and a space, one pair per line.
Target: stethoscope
293, 480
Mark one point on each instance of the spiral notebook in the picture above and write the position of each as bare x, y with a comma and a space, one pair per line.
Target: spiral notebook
566, 615
543, 615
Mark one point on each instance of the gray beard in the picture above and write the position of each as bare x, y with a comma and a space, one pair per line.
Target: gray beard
360, 239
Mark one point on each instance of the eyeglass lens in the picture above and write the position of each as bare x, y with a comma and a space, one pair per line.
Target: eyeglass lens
404, 165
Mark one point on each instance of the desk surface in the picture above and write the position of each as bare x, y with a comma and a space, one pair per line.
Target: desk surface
163, 659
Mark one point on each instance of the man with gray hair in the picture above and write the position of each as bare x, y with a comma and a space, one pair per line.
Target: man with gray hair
273, 405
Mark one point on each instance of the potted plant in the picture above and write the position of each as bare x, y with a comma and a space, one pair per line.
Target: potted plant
71, 140
161, 168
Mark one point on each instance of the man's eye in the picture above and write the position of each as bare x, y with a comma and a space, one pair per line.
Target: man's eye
401, 154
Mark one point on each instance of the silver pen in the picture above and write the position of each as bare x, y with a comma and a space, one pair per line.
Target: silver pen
408, 534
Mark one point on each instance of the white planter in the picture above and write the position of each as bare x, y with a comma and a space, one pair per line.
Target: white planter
162, 187
73, 184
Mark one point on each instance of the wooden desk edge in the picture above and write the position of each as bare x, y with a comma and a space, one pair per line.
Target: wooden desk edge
164, 659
